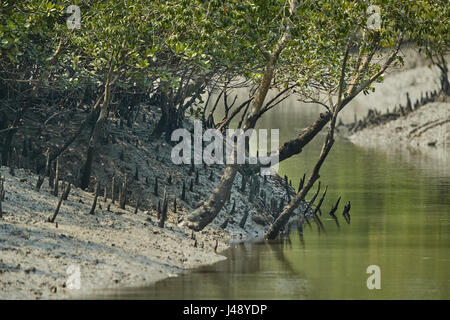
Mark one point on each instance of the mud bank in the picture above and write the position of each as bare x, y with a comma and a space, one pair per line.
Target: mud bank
426, 127
110, 248
117, 247
426, 130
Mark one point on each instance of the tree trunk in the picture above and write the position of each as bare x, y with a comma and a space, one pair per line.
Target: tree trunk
295, 146
90, 120
284, 216
445, 86
92, 148
7, 146
206, 213
174, 120
4, 125
97, 135
10, 133
162, 123
171, 117
286, 213
7, 142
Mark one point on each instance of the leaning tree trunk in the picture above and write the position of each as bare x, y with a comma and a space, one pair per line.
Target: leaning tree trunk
287, 212
295, 146
445, 86
162, 123
96, 136
209, 210
92, 147
206, 213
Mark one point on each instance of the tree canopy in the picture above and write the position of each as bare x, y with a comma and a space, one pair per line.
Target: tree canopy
170, 53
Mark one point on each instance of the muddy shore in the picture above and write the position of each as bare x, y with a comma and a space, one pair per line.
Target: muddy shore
112, 248
117, 247
425, 130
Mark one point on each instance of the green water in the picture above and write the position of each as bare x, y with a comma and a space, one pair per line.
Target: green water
400, 221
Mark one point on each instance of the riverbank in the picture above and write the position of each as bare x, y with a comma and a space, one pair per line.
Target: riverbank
406, 112
423, 129
110, 248
117, 247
